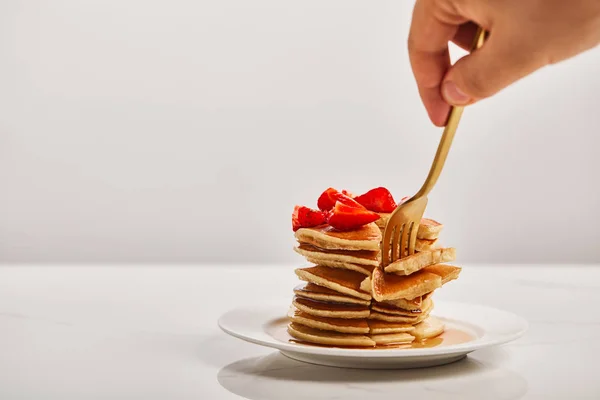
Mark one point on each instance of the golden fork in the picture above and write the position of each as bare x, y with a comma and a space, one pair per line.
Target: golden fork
400, 234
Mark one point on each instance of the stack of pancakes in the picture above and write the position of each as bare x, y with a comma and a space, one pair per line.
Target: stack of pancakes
350, 300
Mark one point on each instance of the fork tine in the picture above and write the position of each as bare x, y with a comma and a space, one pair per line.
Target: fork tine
385, 245
396, 245
412, 240
404, 240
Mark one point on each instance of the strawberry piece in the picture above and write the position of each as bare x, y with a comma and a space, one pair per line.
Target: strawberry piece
379, 200
304, 217
328, 198
349, 194
344, 217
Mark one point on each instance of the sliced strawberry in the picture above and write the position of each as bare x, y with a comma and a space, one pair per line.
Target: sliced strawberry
349, 194
328, 198
379, 200
304, 217
345, 217
342, 198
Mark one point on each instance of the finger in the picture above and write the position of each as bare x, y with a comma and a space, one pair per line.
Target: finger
490, 69
429, 56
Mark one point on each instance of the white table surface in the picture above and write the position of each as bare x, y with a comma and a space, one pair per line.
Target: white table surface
150, 332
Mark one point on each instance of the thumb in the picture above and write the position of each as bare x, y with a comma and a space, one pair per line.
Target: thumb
488, 70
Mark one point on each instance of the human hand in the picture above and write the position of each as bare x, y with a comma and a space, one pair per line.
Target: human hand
524, 36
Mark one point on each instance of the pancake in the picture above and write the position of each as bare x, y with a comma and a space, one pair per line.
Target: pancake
330, 310
417, 261
378, 326
363, 269
446, 272
366, 237
393, 318
405, 304
365, 285
391, 286
427, 245
361, 257
427, 308
341, 280
316, 292
430, 327
328, 324
390, 309
393, 338
428, 228
400, 318
383, 220
311, 335
422, 317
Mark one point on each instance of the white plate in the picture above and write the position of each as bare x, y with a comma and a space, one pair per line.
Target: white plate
266, 326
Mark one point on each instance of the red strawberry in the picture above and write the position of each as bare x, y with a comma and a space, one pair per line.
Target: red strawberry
304, 217
345, 217
379, 200
328, 198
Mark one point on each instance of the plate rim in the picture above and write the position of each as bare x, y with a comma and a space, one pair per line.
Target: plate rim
272, 310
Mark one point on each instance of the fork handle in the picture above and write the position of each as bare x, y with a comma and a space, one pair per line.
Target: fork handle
448, 135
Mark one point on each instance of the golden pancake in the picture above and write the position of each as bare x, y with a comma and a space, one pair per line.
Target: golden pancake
378, 326
364, 256
366, 237
382, 221
343, 325
390, 309
400, 319
428, 228
330, 310
417, 261
361, 257
446, 272
422, 317
397, 316
311, 335
363, 269
427, 245
427, 308
340, 280
365, 285
393, 338
315, 292
430, 327
393, 318
386, 286
405, 304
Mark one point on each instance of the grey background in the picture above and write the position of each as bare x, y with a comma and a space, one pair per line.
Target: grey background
186, 131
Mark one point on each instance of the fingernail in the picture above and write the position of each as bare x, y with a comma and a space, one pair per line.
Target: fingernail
454, 95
